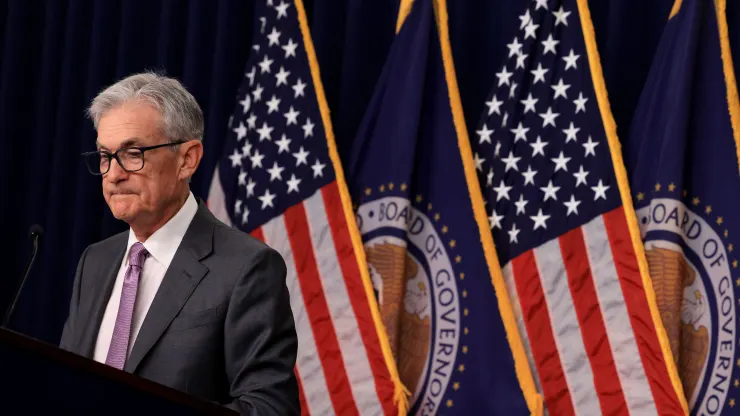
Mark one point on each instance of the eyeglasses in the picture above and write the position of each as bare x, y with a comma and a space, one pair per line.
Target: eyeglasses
131, 159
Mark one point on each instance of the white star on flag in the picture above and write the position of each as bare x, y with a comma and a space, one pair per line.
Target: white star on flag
495, 220
571, 132
265, 132
511, 162
484, 134
529, 176
590, 147
274, 37
290, 48
572, 205
520, 132
539, 73
550, 191
283, 144
502, 191
301, 157
529, 104
494, 105
276, 172
318, 169
241, 131
291, 117
540, 220
299, 88
293, 183
267, 199
549, 44
571, 61
265, 65
580, 176
282, 77
521, 203
515, 48
308, 128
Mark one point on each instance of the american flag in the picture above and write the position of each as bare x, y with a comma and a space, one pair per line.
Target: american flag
280, 180
569, 259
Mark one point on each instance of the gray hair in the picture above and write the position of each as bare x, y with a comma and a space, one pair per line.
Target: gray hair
182, 118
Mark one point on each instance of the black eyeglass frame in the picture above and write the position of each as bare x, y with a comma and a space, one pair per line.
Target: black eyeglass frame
114, 155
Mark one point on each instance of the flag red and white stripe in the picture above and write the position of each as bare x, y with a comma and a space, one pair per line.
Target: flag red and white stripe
580, 296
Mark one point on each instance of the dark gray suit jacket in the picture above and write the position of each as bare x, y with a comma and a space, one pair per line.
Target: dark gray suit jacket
220, 326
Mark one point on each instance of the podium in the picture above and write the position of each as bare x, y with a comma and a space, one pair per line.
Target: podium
39, 378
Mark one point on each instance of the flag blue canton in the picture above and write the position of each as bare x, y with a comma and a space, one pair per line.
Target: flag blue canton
540, 150
276, 154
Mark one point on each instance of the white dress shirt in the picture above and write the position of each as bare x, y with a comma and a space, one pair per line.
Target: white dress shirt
161, 246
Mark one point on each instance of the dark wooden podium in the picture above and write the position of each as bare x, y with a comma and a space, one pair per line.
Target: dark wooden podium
39, 378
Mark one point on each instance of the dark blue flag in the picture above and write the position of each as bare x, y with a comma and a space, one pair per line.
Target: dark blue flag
682, 154
420, 212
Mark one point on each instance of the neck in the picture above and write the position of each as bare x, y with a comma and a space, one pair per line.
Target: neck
144, 231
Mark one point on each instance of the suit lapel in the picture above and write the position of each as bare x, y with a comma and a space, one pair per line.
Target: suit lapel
182, 277
102, 290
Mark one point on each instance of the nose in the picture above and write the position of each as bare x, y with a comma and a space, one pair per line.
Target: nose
116, 173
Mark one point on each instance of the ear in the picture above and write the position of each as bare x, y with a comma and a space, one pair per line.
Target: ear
191, 152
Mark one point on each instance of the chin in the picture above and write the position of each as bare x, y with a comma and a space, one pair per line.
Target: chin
122, 214
122, 207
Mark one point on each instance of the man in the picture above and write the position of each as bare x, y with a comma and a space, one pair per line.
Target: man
180, 298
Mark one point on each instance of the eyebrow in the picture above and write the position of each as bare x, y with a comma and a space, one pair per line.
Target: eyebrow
127, 143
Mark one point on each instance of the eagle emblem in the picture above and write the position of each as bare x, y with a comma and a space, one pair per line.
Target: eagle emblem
671, 274
405, 307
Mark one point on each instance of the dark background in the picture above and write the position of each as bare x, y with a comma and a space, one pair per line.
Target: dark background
56, 55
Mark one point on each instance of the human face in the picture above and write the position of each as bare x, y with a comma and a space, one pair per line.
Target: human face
140, 197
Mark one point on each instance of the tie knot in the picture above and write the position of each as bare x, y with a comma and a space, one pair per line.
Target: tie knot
137, 255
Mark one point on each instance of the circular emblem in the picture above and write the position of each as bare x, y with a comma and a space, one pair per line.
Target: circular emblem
413, 276
691, 271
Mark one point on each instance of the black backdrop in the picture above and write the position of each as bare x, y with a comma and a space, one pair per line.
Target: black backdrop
55, 55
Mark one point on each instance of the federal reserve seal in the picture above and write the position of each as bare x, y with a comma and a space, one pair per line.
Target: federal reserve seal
691, 266
413, 273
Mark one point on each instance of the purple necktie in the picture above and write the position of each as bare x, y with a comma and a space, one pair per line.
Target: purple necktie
122, 331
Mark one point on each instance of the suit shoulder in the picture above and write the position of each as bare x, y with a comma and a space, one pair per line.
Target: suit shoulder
230, 239
112, 243
245, 252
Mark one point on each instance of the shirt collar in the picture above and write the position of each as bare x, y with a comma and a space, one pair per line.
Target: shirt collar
163, 244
